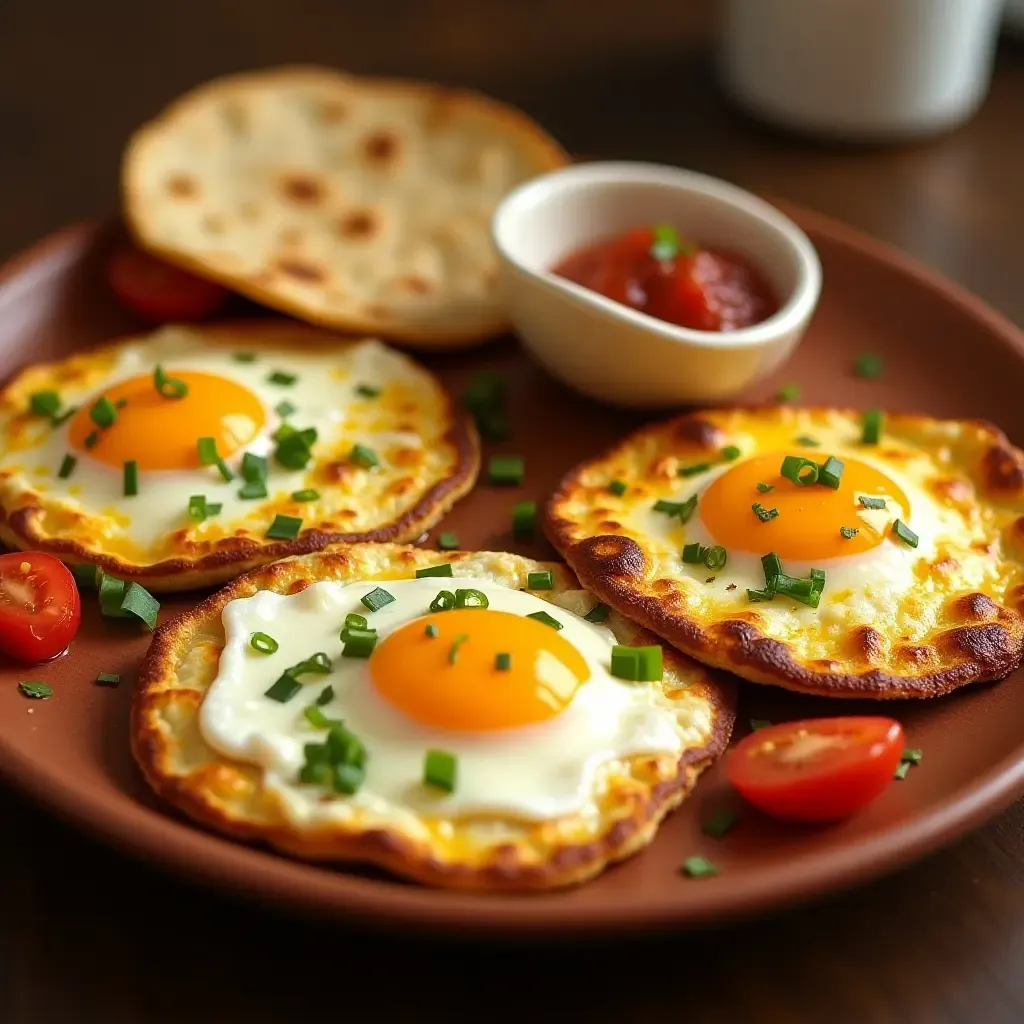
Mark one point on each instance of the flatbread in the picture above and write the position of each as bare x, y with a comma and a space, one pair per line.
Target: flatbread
359, 204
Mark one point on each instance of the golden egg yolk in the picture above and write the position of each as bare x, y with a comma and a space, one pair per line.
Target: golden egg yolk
452, 681
807, 527
161, 433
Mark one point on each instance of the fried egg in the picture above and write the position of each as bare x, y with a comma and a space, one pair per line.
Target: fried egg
170, 457
900, 563
494, 745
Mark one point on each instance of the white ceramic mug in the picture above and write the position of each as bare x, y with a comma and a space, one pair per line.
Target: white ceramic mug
859, 69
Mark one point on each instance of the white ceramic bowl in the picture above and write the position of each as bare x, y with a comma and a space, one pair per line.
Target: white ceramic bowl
612, 352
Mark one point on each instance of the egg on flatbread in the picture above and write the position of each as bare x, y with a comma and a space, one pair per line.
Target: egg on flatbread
181, 458
466, 720
824, 550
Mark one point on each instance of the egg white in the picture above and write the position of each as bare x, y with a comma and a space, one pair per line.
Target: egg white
535, 773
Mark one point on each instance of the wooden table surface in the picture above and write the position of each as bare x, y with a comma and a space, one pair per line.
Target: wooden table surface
88, 936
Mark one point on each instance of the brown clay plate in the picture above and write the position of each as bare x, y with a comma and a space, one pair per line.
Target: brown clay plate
946, 355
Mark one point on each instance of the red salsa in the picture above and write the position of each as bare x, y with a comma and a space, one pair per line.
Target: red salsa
655, 270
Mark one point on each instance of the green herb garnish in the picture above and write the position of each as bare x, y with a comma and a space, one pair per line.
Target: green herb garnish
168, 387
264, 643
284, 528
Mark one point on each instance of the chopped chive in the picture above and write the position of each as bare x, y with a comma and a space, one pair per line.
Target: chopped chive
377, 599
506, 470
803, 472
440, 769
716, 557
254, 489
92, 439
598, 613
294, 448
720, 823
730, 453
44, 403
448, 541
197, 507
548, 620
281, 378
359, 643
318, 664
67, 467
699, 867
760, 595
848, 532
111, 594
263, 642
869, 502
284, 409
542, 580
772, 566
868, 366
283, 689
804, 592
693, 553
524, 520
141, 604
901, 770
355, 621
37, 691
912, 755
367, 391
306, 494
168, 387
807, 442
208, 456
765, 488
244, 357
355, 632
871, 426
284, 528
435, 570
493, 425
831, 473
103, 413
107, 679
453, 651
789, 393
444, 602
700, 467
617, 487
637, 664
326, 696
471, 598
756, 724
682, 509
431, 631
503, 662
131, 478
762, 513
254, 467
347, 778
59, 421
485, 391
316, 717
316, 773
905, 533
344, 747
363, 456
86, 576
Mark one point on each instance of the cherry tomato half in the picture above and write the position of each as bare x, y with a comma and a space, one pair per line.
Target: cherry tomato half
158, 291
819, 769
39, 606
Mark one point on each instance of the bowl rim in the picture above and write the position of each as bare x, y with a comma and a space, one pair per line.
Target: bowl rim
764, 217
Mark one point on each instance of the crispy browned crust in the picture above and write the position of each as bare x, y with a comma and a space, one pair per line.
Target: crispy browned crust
507, 868
986, 645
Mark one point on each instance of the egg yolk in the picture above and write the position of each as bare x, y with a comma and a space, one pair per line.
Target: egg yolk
161, 433
807, 527
452, 681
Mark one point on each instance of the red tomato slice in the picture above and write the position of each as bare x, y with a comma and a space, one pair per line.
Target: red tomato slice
158, 291
819, 769
39, 606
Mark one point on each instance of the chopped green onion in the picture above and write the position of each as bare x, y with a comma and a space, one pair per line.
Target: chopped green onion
598, 613
831, 473
453, 651
367, 391
281, 378
316, 773
699, 867
720, 823
848, 532
354, 631
548, 620
693, 553
666, 244
103, 413
363, 456
901, 770
317, 718
377, 599
485, 399
807, 442
765, 488
868, 366
59, 421
284, 528
199, 509
294, 448
347, 778
250, 491
506, 470
283, 689
471, 599
493, 425
86, 576
803, 472
92, 439
111, 594
141, 604
67, 467
543, 580
44, 403
789, 393
756, 724
254, 467
37, 691
263, 642
760, 595
359, 643
730, 453
716, 557
869, 502
444, 602
131, 478
355, 621
503, 662
617, 487
207, 449
168, 387
448, 541
872, 426
431, 631
700, 467
244, 357
345, 747
107, 678
435, 570
912, 755
803, 591
772, 566
637, 664
440, 769
284, 409
762, 513
318, 664
326, 696
524, 520
306, 494
905, 533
